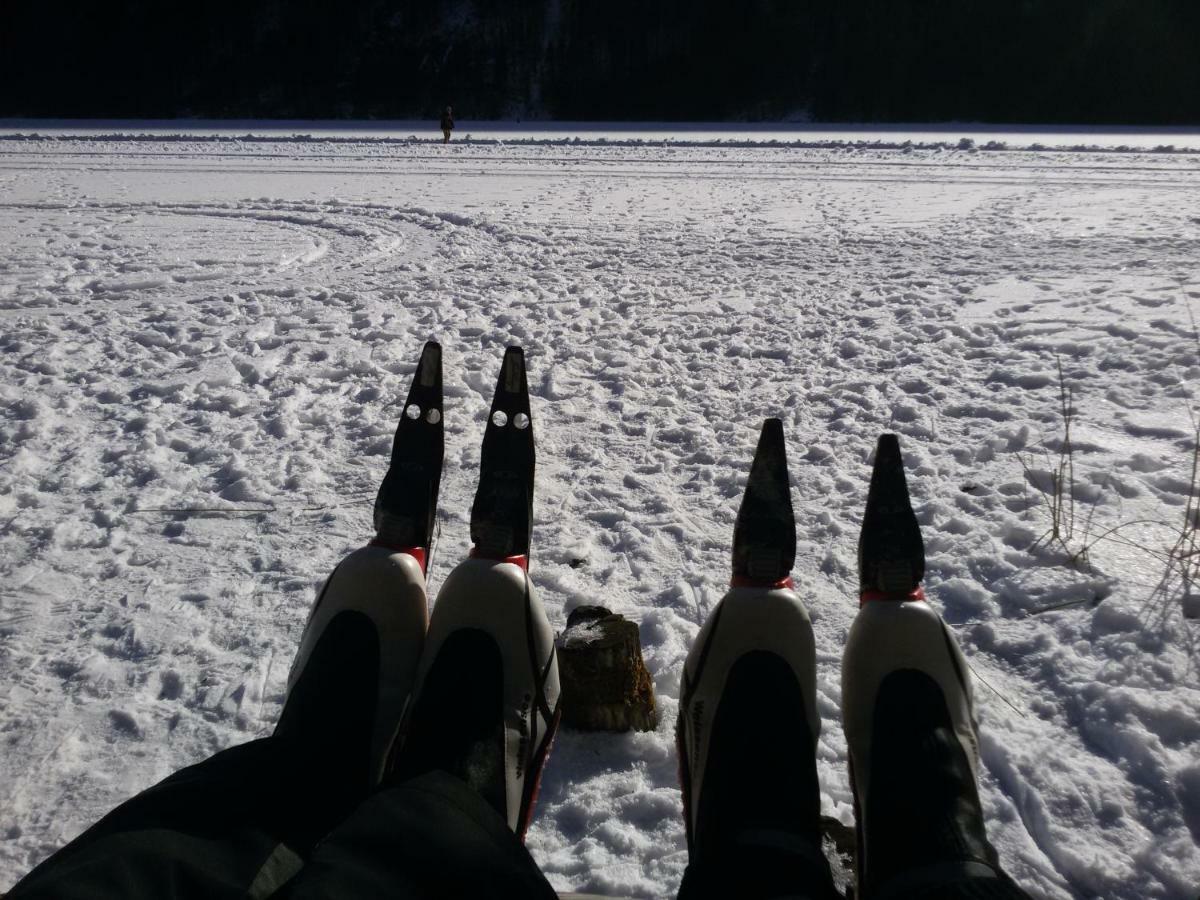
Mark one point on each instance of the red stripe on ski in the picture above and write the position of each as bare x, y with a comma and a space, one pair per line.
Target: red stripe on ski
747, 581
917, 593
537, 766
417, 553
521, 561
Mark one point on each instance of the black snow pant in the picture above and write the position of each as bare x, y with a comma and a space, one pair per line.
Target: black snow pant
255, 821
241, 824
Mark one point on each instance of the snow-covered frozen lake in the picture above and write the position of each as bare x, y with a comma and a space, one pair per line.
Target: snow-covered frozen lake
203, 344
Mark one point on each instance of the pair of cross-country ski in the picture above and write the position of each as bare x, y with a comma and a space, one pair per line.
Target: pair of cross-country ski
474, 688
502, 514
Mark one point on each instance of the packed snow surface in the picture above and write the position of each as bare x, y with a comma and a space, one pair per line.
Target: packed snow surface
203, 345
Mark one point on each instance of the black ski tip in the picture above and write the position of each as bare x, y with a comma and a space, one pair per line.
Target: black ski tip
510, 402
512, 385
423, 405
764, 536
406, 505
891, 554
429, 369
502, 513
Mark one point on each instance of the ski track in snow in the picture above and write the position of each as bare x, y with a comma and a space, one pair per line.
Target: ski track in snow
203, 349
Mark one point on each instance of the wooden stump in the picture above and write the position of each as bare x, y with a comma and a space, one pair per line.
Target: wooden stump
605, 685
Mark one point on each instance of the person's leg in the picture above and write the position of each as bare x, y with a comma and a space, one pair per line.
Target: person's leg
486, 703
909, 721
243, 821
430, 837
748, 723
450, 817
755, 831
210, 830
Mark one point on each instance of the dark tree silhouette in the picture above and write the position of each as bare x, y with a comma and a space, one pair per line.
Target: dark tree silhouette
1087, 61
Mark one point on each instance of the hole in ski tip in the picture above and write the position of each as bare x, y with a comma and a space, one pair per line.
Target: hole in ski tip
521, 421
413, 411
499, 418
433, 417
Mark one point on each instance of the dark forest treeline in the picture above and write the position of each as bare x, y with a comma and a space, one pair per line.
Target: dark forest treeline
1097, 61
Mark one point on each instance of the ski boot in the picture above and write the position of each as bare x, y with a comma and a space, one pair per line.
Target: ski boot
359, 651
486, 703
748, 724
909, 719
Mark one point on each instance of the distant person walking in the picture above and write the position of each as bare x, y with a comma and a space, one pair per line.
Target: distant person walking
447, 124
